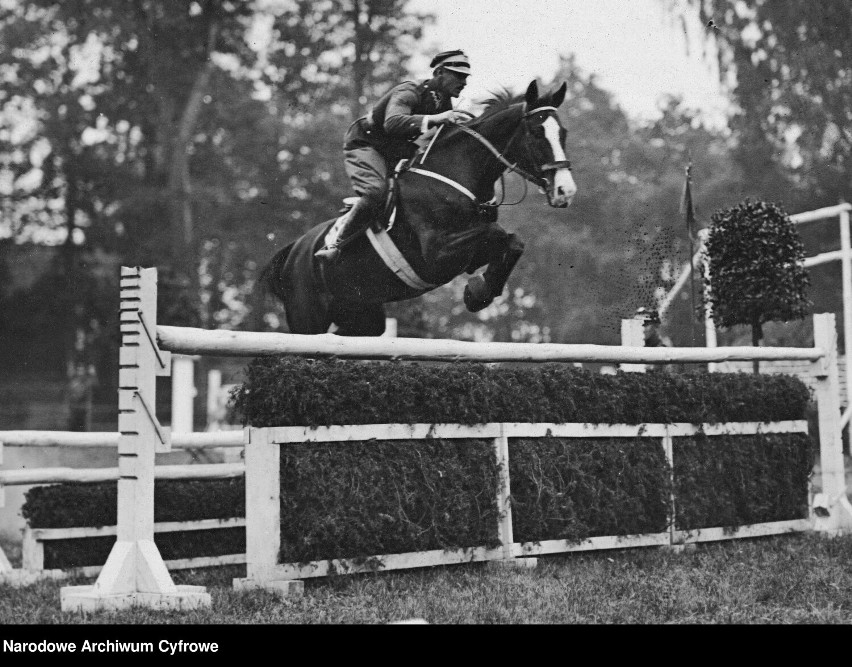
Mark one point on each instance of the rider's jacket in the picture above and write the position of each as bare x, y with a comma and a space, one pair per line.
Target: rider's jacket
397, 120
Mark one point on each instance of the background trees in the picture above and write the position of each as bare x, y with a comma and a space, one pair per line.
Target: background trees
788, 68
200, 136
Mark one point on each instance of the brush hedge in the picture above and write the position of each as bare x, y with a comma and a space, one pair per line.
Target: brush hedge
352, 500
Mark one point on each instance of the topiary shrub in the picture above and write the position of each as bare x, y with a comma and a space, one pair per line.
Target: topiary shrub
754, 268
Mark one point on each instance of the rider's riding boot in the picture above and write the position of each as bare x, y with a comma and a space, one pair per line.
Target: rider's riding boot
355, 221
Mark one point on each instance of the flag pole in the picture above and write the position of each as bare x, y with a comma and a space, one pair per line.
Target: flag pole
687, 208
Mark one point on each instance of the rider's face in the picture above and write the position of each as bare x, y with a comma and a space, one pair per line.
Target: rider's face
453, 82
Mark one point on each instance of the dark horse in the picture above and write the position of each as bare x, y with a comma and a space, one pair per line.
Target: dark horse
444, 223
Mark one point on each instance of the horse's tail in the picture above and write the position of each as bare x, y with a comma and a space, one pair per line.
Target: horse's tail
272, 279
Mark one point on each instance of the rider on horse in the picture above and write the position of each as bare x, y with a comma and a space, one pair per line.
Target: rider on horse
390, 132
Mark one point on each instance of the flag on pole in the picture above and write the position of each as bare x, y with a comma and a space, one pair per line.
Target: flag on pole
686, 206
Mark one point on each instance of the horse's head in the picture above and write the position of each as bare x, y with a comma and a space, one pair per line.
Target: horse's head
543, 151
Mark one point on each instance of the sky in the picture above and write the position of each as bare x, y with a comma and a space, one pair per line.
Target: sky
635, 48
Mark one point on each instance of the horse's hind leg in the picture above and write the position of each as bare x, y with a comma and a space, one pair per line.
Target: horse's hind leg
358, 319
504, 252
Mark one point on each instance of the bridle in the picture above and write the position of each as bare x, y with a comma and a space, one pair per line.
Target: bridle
537, 179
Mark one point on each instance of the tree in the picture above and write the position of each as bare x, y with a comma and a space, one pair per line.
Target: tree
788, 65
755, 268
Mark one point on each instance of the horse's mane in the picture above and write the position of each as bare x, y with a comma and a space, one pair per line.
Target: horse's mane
498, 102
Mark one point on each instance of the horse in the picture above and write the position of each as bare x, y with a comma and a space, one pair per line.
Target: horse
443, 223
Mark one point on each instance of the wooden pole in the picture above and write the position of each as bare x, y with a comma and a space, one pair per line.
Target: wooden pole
188, 340
832, 512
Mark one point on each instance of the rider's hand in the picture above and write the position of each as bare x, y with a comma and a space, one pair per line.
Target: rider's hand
451, 116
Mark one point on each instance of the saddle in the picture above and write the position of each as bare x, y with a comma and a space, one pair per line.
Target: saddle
386, 216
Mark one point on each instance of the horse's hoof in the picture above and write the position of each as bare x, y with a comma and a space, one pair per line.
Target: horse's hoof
476, 294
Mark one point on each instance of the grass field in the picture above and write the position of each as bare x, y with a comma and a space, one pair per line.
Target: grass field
800, 578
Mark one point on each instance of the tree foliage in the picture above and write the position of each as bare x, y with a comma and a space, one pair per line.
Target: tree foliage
754, 266
789, 68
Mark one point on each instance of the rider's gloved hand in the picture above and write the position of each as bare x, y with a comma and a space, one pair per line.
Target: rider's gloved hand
451, 116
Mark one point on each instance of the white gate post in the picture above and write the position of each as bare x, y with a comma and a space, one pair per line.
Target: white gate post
505, 533
846, 280
183, 393
633, 335
135, 573
831, 509
263, 516
709, 324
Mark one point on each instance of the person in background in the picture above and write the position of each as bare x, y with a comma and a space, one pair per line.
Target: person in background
651, 328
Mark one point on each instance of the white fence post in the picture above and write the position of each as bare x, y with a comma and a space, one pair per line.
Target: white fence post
135, 573
709, 324
846, 277
505, 532
831, 508
263, 516
183, 393
633, 335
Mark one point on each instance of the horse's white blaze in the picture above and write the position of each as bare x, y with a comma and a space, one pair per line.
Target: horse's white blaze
564, 187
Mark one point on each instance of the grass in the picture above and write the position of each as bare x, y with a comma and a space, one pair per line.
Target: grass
794, 579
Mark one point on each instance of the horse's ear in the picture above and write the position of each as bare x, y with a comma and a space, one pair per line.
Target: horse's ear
532, 93
559, 96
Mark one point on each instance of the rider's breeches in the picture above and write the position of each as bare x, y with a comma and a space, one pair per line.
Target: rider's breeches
368, 172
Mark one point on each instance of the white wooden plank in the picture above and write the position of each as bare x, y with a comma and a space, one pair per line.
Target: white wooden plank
176, 564
740, 532
366, 432
324, 568
590, 544
59, 475
739, 428
47, 534
110, 439
584, 430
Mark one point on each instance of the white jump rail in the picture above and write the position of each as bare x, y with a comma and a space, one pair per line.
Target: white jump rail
135, 573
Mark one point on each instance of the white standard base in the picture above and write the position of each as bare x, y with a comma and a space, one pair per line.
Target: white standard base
85, 599
284, 588
516, 563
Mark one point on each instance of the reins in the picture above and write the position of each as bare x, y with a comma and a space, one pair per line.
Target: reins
540, 181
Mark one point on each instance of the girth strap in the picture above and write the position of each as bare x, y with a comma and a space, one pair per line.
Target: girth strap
393, 259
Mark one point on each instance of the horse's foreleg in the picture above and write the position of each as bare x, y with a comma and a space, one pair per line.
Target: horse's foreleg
481, 291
